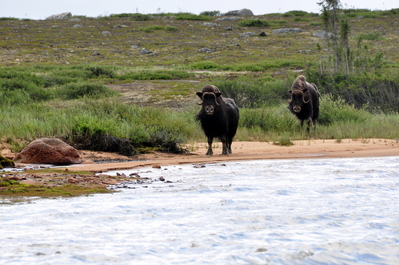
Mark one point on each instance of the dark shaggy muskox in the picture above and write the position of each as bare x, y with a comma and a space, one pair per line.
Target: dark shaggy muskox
218, 117
304, 102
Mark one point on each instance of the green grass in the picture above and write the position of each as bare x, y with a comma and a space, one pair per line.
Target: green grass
189, 16
154, 28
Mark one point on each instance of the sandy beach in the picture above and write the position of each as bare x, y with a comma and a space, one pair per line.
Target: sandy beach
251, 151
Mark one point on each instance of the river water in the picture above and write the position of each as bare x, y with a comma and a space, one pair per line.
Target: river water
310, 211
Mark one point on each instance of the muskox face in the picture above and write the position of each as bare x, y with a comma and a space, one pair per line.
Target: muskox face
209, 101
297, 99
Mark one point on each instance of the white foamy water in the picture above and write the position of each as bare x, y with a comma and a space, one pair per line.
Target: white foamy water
313, 211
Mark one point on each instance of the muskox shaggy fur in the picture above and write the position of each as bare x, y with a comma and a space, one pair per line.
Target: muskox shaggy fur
218, 118
304, 102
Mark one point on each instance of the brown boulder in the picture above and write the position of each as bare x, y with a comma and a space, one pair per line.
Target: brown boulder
48, 151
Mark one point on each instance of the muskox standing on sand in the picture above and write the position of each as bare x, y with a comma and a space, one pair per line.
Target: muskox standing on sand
218, 117
304, 103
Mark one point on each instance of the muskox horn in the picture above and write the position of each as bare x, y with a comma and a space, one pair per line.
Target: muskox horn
304, 101
290, 100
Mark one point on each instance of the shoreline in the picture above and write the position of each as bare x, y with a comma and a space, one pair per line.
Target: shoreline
302, 149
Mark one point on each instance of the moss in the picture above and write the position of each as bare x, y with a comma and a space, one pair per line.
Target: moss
16, 188
5, 162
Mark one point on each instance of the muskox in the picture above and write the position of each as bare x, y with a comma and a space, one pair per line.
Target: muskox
218, 117
304, 102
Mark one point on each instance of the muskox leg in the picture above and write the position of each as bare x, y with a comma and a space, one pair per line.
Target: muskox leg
225, 146
310, 124
210, 151
229, 141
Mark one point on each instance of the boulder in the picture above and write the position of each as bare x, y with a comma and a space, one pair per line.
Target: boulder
48, 151
65, 15
247, 34
323, 34
241, 12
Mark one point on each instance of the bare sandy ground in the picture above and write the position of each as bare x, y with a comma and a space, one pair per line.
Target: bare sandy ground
311, 149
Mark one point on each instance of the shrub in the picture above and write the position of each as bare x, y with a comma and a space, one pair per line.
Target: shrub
370, 36
210, 13
206, 65
253, 23
154, 75
21, 91
275, 118
189, 16
337, 110
153, 28
8, 18
295, 13
99, 71
84, 89
252, 94
134, 16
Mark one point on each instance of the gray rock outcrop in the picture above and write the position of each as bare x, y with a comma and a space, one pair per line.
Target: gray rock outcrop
241, 12
65, 15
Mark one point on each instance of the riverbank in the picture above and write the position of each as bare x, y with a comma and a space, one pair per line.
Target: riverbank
91, 177
253, 151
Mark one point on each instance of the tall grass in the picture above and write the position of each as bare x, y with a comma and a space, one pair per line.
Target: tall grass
72, 103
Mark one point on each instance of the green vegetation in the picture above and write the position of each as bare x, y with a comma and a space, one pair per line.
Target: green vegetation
17, 189
253, 23
189, 16
370, 36
5, 162
133, 16
97, 91
153, 28
210, 13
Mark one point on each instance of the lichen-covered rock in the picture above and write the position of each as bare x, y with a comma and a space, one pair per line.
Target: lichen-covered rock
48, 151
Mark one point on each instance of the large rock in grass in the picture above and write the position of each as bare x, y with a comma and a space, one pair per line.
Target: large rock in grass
241, 12
48, 151
65, 15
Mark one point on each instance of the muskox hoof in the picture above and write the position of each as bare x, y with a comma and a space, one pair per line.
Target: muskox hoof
209, 153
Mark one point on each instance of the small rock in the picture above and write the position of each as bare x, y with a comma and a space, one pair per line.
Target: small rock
287, 30
156, 166
161, 178
247, 34
207, 50
145, 51
209, 24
